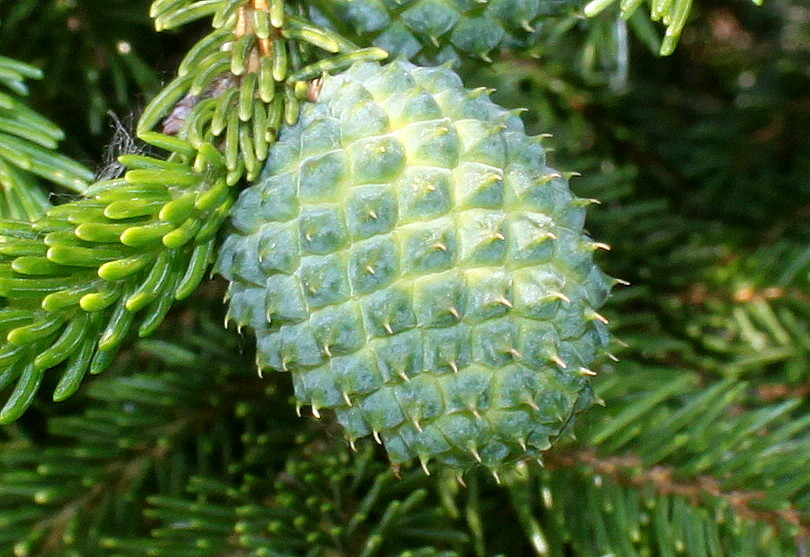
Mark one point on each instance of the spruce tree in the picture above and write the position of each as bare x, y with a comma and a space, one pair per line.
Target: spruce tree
143, 154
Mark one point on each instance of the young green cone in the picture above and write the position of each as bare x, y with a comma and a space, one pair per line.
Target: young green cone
409, 257
434, 31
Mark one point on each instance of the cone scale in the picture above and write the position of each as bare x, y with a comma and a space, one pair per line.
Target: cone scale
410, 259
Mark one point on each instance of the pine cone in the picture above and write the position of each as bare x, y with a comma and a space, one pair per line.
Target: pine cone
409, 257
436, 31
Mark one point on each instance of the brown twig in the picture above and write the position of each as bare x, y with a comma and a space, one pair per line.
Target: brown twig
778, 391
244, 26
629, 470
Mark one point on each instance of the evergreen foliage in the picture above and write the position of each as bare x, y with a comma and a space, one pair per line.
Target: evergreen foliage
75, 278
701, 442
102, 54
28, 145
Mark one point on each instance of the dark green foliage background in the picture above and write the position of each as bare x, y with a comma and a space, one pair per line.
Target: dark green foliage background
701, 162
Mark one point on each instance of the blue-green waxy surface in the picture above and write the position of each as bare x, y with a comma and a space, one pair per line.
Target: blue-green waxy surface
434, 31
409, 257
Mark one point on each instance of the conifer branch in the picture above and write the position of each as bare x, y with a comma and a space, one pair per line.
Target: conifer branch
324, 500
631, 470
101, 53
76, 278
28, 145
673, 14
576, 508
46, 502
